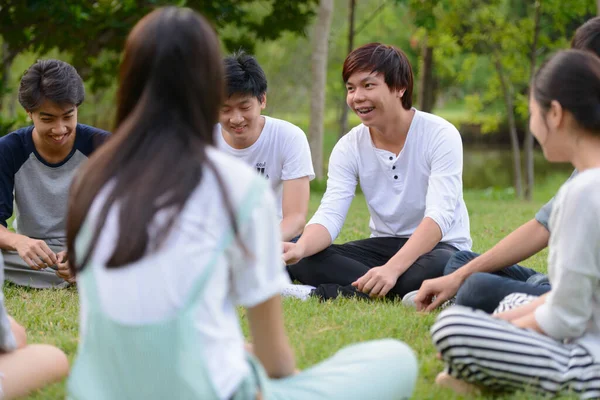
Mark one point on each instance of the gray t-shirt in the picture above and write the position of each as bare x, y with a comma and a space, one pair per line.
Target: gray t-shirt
543, 215
36, 190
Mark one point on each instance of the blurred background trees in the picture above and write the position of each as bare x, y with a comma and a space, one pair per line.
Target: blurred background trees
472, 59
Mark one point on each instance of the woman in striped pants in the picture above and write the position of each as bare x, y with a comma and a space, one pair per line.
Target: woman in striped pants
550, 345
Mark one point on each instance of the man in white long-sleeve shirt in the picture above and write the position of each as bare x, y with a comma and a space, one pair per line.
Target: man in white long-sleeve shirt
409, 166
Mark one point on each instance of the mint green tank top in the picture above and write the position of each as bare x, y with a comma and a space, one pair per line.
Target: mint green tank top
157, 361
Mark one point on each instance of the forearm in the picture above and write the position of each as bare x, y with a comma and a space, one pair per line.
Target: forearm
291, 226
314, 239
270, 342
519, 245
8, 239
423, 240
528, 321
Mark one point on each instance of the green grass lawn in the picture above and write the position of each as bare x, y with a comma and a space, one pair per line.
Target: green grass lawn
317, 330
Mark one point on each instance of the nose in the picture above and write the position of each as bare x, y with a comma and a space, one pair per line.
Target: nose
359, 95
236, 118
60, 129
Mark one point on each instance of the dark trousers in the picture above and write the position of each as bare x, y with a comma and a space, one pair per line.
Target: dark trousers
334, 269
484, 290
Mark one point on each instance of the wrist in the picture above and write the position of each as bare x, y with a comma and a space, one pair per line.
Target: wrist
15, 241
396, 267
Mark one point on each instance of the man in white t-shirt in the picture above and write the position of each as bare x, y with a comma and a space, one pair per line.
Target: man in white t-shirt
409, 166
277, 149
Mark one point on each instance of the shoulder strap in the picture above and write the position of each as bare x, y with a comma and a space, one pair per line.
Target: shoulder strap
245, 210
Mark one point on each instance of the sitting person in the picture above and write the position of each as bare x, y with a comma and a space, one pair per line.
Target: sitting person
25, 368
550, 345
37, 164
168, 235
277, 149
483, 281
409, 166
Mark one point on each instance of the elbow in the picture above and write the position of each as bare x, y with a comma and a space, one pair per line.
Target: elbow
284, 366
298, 222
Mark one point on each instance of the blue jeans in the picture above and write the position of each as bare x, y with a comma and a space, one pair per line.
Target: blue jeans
484, 290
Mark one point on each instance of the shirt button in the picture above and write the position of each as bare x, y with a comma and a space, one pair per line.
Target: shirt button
395, 176
391, 158
394, 167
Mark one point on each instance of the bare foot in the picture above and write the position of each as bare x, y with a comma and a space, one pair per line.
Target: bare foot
460, 387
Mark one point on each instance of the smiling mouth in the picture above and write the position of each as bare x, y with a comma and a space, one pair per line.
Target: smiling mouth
58, 138
364, 110
238, 129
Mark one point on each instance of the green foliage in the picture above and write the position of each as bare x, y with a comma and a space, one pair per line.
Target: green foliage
93, 32
474, 39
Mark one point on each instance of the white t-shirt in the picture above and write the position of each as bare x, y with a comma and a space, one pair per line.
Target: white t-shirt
424, 180
157, 286
572, 309
281, 153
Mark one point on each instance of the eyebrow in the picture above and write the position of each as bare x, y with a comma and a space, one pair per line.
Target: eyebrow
44, 114
363, 80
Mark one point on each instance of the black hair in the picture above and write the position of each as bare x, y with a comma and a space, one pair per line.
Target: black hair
170, 91
572, 78
587, 36
243, 75
52, 80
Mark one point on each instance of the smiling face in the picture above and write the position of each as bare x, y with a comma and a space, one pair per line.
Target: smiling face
55, 127
240, 117
371, 98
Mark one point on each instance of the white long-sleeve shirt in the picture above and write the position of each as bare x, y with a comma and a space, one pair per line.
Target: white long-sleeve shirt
572, 309
424, 180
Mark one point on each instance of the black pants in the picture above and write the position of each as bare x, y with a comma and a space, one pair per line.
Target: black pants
334, 269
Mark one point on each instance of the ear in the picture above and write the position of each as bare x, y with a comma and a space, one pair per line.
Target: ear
556, 115
263, 103
400, 93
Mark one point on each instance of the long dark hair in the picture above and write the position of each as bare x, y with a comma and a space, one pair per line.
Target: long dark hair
170, 91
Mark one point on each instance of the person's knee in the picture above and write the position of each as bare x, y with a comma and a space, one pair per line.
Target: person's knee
474, 289
458, 260
54, 359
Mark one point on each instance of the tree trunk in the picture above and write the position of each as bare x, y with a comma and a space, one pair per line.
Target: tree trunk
514, 138
319, 82
7, 56
426, 78
529, 172
351, 19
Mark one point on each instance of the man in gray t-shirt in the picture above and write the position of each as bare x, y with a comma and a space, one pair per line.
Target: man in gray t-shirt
482, 281
37, 164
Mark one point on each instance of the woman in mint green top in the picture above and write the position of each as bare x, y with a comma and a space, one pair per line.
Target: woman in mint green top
167, 236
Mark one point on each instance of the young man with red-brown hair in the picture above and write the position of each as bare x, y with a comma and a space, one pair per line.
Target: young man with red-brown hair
409, 166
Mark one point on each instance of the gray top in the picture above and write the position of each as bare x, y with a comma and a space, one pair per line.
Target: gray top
38, 191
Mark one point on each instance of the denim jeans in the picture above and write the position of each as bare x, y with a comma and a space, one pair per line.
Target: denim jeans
484, 290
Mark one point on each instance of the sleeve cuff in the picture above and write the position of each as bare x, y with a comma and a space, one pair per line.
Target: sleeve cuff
333, 231
255, 298
438, 218
548, 322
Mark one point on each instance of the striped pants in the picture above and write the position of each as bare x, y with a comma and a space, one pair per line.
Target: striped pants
495, 354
